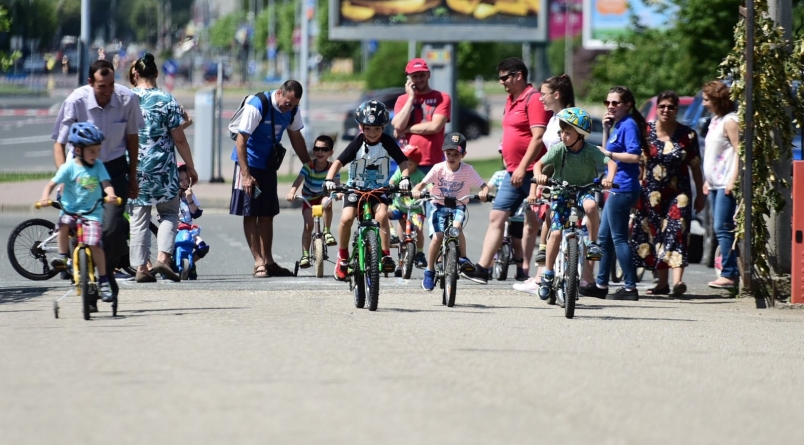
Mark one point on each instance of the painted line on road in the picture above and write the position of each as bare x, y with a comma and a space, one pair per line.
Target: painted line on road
38, 154
25, 140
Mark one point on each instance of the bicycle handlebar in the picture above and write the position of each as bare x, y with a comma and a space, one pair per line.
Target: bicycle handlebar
563, 184
50, 203
426, 196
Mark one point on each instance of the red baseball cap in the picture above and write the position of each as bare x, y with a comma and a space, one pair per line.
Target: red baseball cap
416, 66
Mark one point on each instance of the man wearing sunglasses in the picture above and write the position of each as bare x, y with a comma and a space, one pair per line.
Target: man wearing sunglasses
421, 114
524, 122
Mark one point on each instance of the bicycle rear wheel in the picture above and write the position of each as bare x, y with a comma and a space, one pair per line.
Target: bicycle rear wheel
83, 264
571, 279
26, 253
408, 256
502, 262
372, 270
154, 250
451, 274
318, 257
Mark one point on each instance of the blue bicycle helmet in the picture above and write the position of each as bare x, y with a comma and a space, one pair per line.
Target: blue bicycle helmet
84, 133
578, 118
372, 112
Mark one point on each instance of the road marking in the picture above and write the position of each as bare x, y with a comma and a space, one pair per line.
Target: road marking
25, 140
38, 154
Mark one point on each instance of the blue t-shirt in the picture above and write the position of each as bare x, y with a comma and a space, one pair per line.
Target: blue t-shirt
82, 187
625, 138
256, 123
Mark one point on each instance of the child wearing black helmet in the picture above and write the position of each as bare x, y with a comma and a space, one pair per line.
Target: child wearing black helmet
370, 155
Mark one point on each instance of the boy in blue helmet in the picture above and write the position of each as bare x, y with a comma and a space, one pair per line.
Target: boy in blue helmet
85, 179
370, 156
575, 161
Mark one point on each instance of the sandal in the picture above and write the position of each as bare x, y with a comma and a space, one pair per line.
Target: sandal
723, 283
275, 270
679, 289
329, 239
260, 271
658, 290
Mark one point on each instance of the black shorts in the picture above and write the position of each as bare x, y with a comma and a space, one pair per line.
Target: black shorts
351, 200
266, 204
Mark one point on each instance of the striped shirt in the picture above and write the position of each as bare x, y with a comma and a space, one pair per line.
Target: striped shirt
120, 117
314, 179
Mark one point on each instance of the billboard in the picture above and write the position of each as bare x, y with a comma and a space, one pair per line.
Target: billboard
439, 20
606, 20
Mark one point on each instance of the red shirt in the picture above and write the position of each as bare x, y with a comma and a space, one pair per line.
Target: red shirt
517, 122
425, 106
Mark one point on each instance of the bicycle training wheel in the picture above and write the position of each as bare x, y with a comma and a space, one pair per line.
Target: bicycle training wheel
408, 256
451, 274
83, 264
372, 270
31, 247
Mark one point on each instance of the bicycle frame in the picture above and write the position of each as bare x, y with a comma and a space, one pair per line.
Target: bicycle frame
366, 223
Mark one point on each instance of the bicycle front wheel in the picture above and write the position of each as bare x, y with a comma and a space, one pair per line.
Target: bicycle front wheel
571, 279
451, 274
372, 270
83, 264
503, 261
27, 251
318, 256
408, 256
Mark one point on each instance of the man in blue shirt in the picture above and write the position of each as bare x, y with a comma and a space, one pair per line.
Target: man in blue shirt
254, 182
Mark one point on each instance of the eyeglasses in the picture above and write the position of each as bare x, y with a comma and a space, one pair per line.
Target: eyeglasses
613, 103
505, 77
667, 107
322, 149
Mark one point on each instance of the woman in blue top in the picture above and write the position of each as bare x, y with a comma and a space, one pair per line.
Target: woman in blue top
624, 139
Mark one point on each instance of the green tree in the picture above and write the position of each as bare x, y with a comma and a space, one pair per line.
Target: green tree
6, 60
387, 67
332, 49
222, 32
32, 19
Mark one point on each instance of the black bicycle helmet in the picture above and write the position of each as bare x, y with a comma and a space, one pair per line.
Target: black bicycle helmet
85, 133
373, 113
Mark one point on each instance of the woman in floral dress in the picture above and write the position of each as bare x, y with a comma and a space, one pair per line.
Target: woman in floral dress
664, 212
157, 172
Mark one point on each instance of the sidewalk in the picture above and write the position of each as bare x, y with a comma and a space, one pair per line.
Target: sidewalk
20, 196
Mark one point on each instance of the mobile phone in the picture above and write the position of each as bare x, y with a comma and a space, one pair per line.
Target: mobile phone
411, 85
257, 191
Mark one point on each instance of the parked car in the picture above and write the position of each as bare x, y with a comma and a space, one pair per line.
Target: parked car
648, 108
35, 64
472, 124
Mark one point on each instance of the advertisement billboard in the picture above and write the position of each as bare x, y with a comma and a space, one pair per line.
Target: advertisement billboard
606, 20
439, 20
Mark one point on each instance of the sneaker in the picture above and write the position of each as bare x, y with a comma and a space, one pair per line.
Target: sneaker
398, 272
428, 283
329, 239
541, 257
59, 264
478, 274
388, 264
465, 265
593, 290
546, 286
529, 286
93, 307
341, 270
521, 275
593, 252
202, 250
304, 262
193, 273
420, 261
394, 240
624, 294
105, 292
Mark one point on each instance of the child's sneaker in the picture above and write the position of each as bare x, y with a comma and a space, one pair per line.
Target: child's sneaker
59, 264
420, 261
202, 250
546, 285
479, 275
398, 272
105, 291
521, 275
428, 283
388, 264
329, 239
341, 270
193, 273
541, 256
593, 251
304, 262
394, 240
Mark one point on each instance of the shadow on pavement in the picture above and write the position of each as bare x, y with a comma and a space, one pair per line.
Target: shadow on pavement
604, 317
20, 294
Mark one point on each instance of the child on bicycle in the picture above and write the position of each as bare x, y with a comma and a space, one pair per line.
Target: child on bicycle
85, 180
369, 154
516, 227
575, 161
399, 207
312, 175
451, 179
190, 210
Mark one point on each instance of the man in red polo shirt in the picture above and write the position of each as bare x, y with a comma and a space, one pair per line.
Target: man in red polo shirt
523, 124
420, 115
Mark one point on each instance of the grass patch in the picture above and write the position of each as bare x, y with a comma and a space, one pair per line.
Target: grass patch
486, 167
19, 177
18, 90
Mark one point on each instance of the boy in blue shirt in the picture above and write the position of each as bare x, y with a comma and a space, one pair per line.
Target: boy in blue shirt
83, 176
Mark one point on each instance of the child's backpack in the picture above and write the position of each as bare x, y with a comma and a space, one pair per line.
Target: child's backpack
234, 124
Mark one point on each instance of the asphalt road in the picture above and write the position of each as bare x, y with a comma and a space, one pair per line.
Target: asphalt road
229, 358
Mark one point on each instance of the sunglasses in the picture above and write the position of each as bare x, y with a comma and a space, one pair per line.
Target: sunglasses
505, 77
613, 103
322, 149
667, 107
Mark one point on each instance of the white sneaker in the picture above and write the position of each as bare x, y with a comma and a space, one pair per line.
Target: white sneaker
531, 286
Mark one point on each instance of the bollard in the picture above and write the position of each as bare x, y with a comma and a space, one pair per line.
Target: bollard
203, 143
797, 272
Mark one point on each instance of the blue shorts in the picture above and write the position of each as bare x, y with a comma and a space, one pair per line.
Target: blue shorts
560, 210
509, 198
438, 217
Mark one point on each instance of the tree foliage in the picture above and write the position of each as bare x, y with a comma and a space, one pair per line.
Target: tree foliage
6, 60
776, 68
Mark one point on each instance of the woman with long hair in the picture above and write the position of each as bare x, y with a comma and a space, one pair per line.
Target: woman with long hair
157, 172
664, 212
624, 141
721, 167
